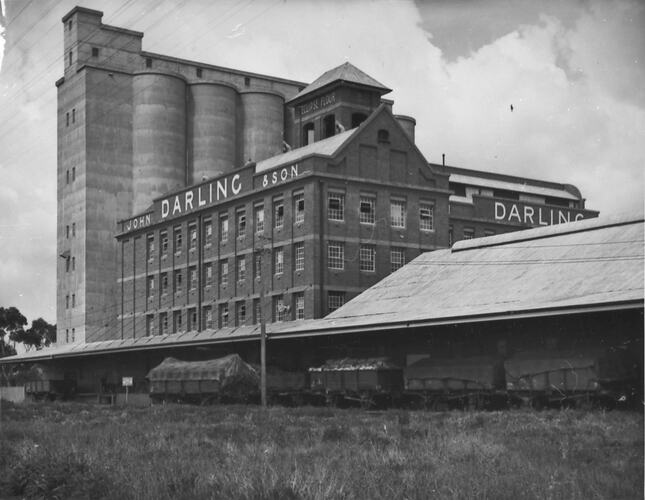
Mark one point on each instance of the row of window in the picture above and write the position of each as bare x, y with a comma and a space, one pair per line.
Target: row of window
73, 117
281, 311
69, 303
70, 175
69, 339
468, 234
198, 71
70, 263
67, 230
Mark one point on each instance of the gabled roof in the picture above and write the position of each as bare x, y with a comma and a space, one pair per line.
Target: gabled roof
346, 72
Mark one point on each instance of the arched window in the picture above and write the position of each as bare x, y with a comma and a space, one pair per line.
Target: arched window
383, 136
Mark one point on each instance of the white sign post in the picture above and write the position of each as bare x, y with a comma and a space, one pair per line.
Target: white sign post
126, 382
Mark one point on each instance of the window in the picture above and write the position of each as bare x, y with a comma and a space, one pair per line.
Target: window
450, 236
198, 72
240, 313
397, 258
67, 119
73, 300
176, 321
68, 263
70, 57
95, 51
357, 119
278, 214
73, 174
241, 223
299, 301
469, 233
73, 263
150, 325
151, 287
299, 256
73, 334
336, 206
164, 245
367, 258
367, 212
67, 301
69, 25
148, 62
241, 268
192, 236
178, 281
192, 276
488, 232
247, 81
397, 213
335, 300
223, 273
336, 255
67, 231
299, 208
208, 232
150, 246
383, 136
308, 134
223, 228
329, 126
178, 240
67, 175
278, 261
73, 115
223, 315
259, 219
257, 311
426, 217
208, 317
164, 283
281, 311
73, 229
67, 335
192, 319
163, 323
257, 268
208, 274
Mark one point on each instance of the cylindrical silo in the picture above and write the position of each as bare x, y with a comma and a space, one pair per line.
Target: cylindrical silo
159, 136
262, 117
212, 133
408, 123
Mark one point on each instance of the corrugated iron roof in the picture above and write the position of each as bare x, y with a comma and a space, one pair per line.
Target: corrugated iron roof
522, 187
346, 72
325, 147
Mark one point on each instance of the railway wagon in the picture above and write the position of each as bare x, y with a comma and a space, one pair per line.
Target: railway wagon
50, 389
227, 379
371, 382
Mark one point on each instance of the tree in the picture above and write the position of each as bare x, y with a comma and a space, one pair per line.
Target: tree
11, 323
41, 334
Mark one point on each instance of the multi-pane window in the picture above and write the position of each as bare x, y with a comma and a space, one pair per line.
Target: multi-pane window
278, 214
176, 321
223, 315
208, 274
336, 206
223, 228
241, 268
208, 232
208, 317
150, 325
367, 210
469, 233
257, 311
299, 208
299, 303
336, 255
178, 239
151, 287
164, 283
178, 281
192, 235
335, 300
281, 311
397, 258
150, 247
367, 258
192, 319
397, 213
163, 323
241, 223
299, 256
192, 276
426, 217
223, 273
257, 265
240, 313
259, 219
278, 261
164, 244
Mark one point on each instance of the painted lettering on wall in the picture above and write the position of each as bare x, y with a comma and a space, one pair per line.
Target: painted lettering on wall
316, 104
200, 196
280, 175
137, 222
534, 215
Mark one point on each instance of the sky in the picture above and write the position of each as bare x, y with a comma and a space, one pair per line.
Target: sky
573, 71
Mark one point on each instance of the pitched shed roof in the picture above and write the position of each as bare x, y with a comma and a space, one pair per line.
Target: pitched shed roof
346, 72
522, 187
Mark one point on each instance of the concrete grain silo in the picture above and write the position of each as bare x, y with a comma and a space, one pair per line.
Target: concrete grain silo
159, 136
262, 122
212, 130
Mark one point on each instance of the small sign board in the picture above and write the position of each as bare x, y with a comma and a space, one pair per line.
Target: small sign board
127, 382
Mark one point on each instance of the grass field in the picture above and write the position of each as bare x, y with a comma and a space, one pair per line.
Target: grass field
81, 451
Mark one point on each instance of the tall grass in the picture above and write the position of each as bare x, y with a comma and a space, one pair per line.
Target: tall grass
236, 452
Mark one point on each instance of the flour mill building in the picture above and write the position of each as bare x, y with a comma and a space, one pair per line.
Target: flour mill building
192, 196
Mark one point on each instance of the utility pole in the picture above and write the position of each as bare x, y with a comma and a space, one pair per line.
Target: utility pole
263, 349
